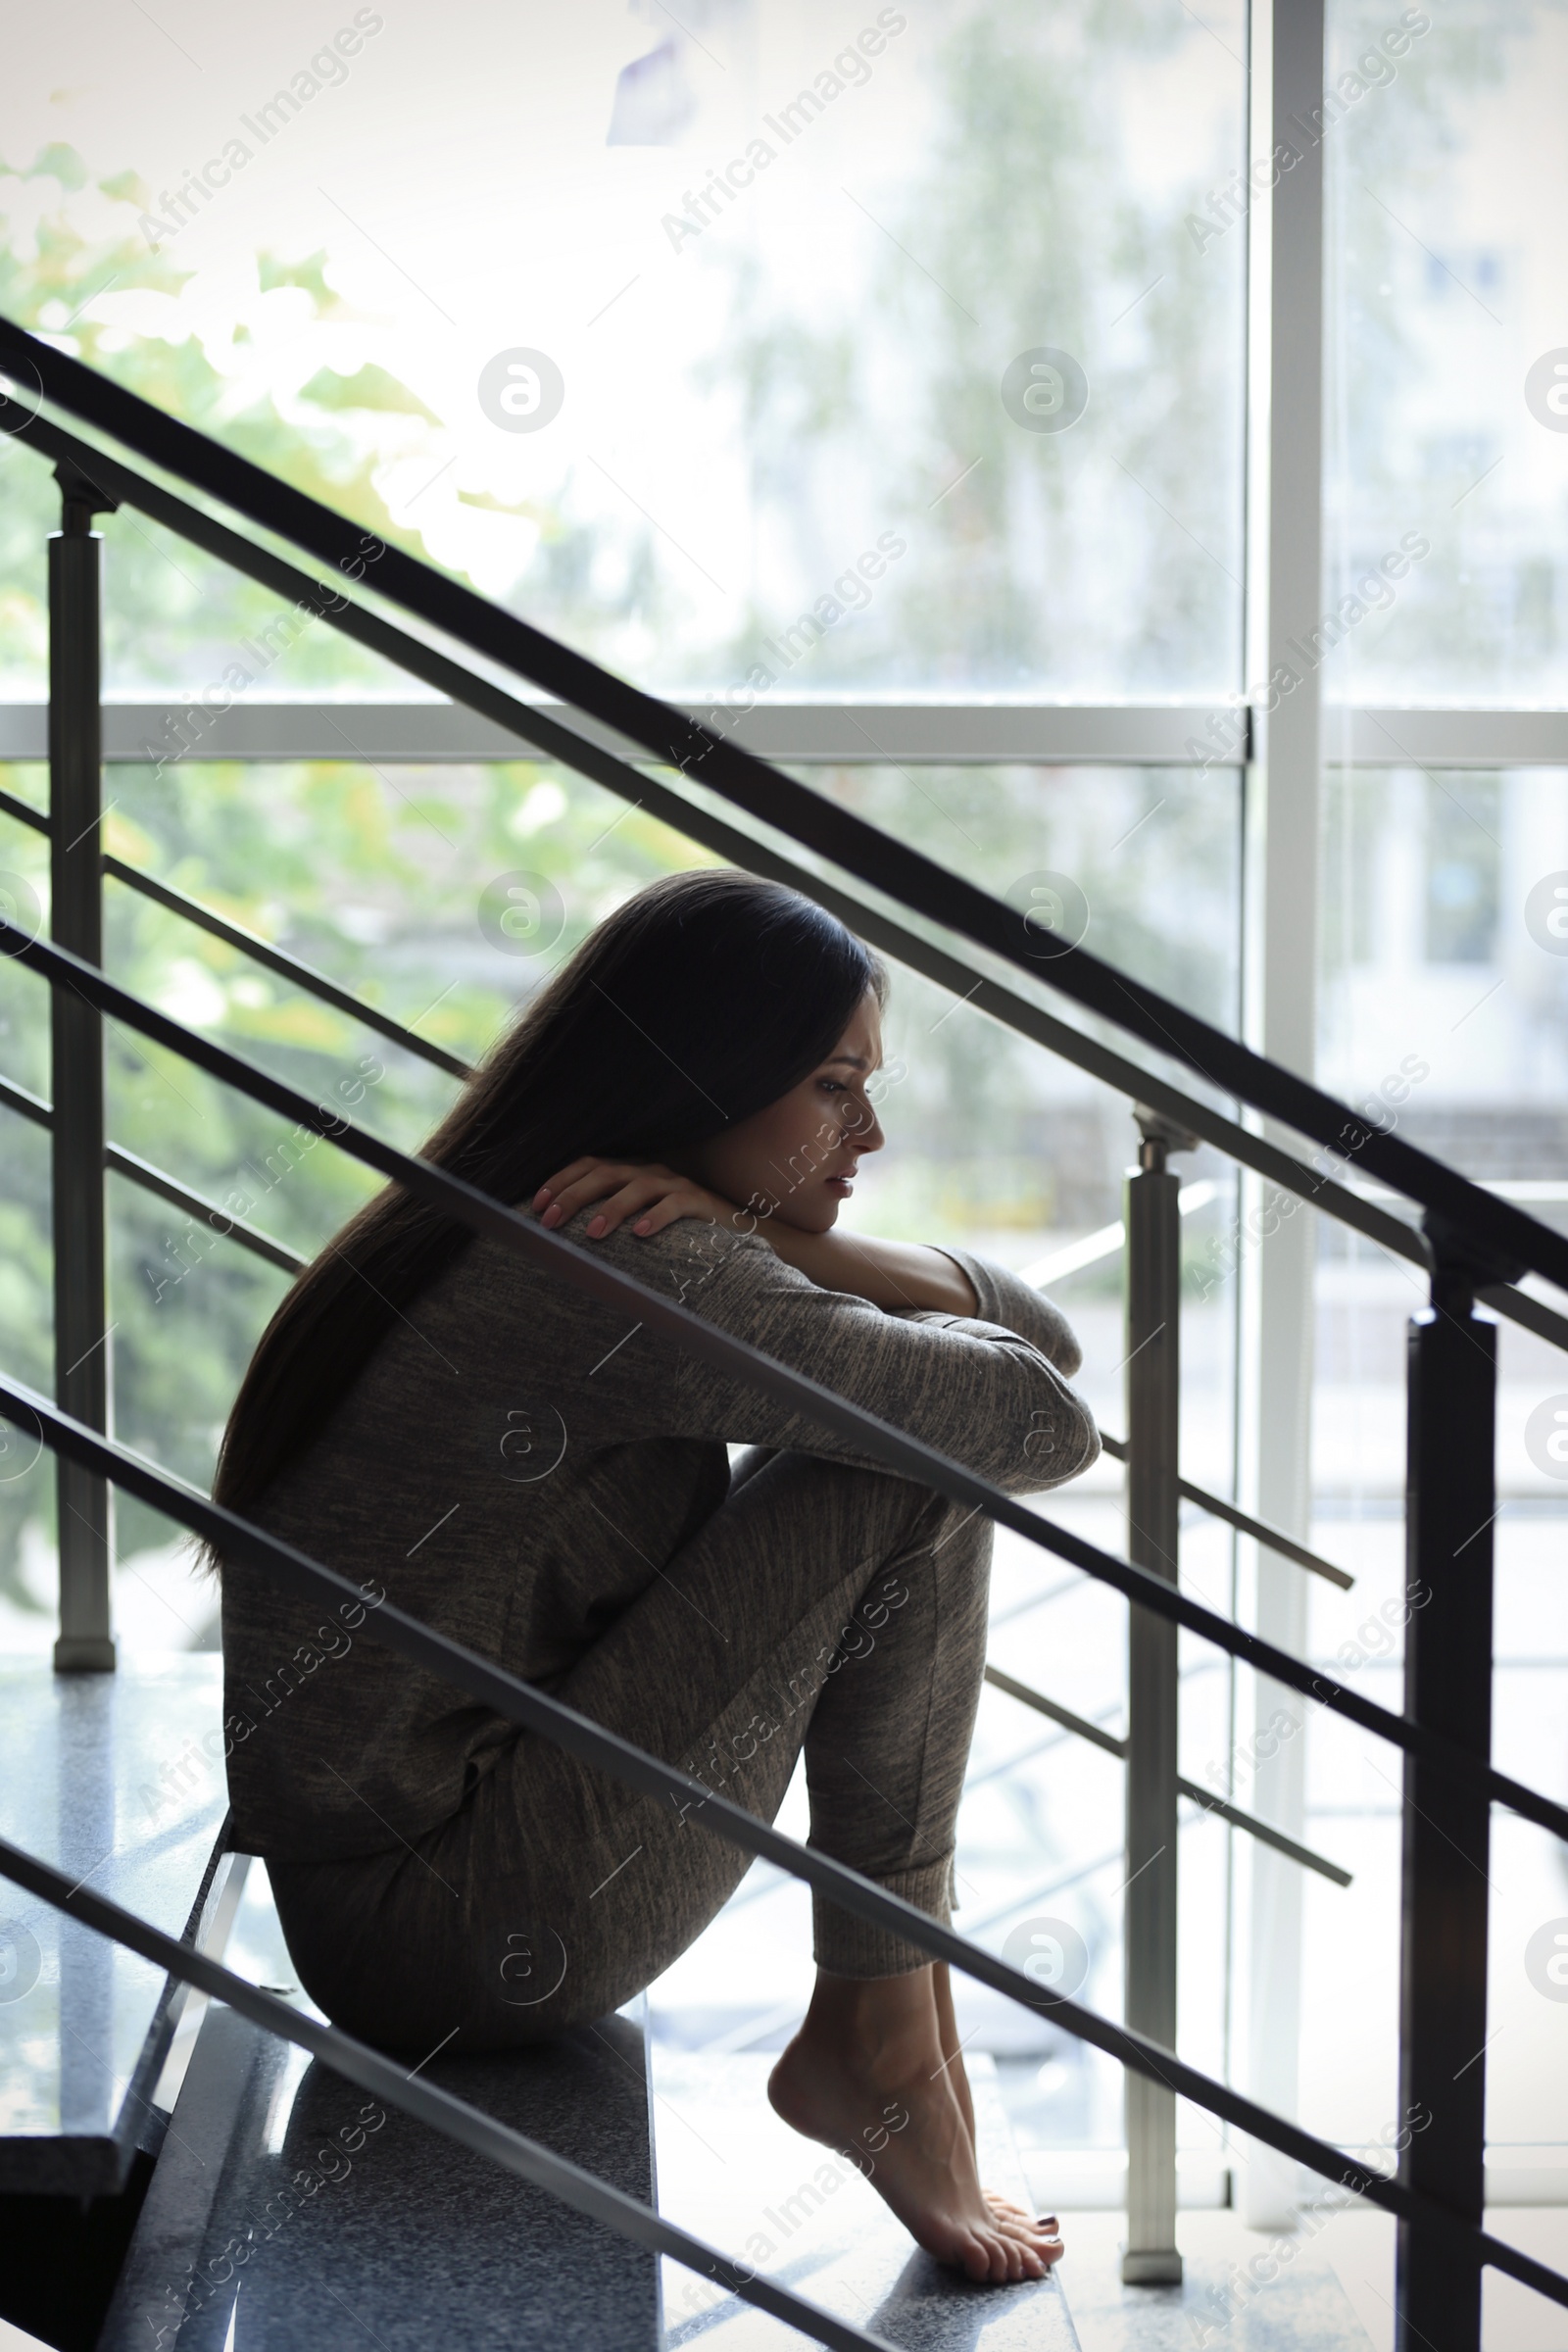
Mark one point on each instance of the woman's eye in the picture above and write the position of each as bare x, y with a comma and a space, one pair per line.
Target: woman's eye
831, 1086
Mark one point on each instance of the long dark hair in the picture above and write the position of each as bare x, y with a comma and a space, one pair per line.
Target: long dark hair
704, 997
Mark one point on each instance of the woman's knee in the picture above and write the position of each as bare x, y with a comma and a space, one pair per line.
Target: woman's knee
888, 1511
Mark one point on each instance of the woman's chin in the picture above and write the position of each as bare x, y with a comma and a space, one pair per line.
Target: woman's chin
820, 1215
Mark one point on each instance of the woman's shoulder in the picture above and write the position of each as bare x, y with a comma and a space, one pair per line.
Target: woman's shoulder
682, 1262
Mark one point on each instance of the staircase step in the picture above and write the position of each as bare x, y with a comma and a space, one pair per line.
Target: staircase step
731, 2171
107, 1777
288, 2209
1241, 2291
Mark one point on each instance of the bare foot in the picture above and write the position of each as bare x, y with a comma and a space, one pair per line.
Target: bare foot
868, 2075
953, 2054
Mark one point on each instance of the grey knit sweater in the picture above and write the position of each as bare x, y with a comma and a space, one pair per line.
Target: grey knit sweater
517, 1463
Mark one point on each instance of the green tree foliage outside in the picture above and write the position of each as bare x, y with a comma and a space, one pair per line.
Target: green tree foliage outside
372, 878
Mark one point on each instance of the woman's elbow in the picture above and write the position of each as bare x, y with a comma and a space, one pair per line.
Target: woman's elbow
1061, 1341
1060, 1445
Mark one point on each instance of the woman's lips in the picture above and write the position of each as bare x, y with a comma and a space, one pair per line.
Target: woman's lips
843, 1186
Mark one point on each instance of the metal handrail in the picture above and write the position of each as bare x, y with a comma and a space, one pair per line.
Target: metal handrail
23, 812
288, 968
554, 1256
536, 1710
260, 951
1261, 1531
29, 1106
1112, 1746
228, 1228
1498, 1231
546, 735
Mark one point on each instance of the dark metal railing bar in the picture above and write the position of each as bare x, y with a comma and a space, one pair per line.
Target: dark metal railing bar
228, 1229
288, 968
1199, 1795
25, 1104
1274, 1538
11, 807
556, 1257
260, 951
78, 1233
1494, 1226
453, 2118
1263, 1830
1532, 1315
604, 1751
1095, 1733
669, 808
153, 1180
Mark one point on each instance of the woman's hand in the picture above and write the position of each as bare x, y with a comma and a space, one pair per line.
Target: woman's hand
630, 1190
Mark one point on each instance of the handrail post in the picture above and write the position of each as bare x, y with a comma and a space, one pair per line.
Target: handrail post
84, 1498
1154, 1503
1450, 1504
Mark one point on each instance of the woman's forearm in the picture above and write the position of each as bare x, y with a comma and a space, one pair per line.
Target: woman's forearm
889, 1274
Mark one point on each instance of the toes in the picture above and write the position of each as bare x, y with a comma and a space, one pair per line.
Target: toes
975, 2256
997, 2257
1019, 2226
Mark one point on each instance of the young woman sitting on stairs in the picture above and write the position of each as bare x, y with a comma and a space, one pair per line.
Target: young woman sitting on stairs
534, 1474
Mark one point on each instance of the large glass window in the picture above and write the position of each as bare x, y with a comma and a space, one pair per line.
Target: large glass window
867, 347
1447, 381
776, 353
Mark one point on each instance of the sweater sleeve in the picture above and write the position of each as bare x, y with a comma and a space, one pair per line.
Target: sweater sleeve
983, 1389
1018, 1307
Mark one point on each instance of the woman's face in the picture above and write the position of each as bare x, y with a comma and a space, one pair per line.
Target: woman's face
796, 1159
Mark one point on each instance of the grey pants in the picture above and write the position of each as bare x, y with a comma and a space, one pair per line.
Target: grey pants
821, 1607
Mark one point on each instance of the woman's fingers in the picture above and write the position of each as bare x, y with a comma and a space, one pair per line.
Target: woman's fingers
591, 1167
654, 1197
556, 1184
572, 1197
584, 1181
619, 1191
605, 1185
681, 1201
568, 1174
624, 1203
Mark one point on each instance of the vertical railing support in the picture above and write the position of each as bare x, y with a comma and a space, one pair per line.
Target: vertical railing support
1154, 1503
1450, 1504
85, 1499
1287, 72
